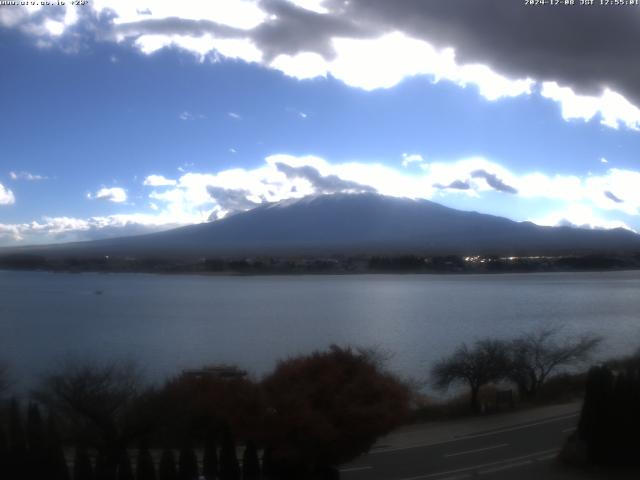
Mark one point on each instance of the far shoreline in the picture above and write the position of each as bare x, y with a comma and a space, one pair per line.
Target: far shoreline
324, 264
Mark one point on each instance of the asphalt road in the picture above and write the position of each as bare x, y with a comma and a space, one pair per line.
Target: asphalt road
517, 451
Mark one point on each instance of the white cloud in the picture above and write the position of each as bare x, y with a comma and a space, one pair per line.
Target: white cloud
234, 13
239, 29
592, 201
622, 186
30, 177
302, 66
604, 160
185, 167
11, 17
386, 180
409, 158
312, 5
384, 62
158, 181
189, 198
614, 109
30, 18
368, 63
234, 115
69, 229
10, 234
54, 27
112, 194
578, 215
236, 48
6, 196
297, 113
614, 190
185, 115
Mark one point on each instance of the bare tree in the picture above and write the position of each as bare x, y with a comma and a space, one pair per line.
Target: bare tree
376, 354
96, 399
486, 361
538, 354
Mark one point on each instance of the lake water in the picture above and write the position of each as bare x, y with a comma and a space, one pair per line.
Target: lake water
172, 322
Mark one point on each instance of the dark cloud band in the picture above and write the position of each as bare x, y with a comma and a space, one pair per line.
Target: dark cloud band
493, 181
323, 184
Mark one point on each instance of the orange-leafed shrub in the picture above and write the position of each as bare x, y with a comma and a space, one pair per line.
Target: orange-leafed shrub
329, 407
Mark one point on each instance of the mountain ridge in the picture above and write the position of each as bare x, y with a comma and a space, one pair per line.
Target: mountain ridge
355, 223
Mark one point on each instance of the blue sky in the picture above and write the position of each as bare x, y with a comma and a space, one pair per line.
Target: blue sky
118, 121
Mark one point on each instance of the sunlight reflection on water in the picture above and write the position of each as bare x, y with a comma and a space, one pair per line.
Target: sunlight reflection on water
172, 322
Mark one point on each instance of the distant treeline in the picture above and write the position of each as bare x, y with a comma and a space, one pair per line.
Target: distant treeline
338, 264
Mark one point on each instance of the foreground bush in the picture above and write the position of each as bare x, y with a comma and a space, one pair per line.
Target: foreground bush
196, 407
311, 414
327, 408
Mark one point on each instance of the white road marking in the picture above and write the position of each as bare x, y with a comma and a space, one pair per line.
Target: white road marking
513, 460
504, 467
476, 435
517, 427
477, 450
549, 456
356, 469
